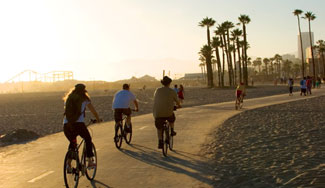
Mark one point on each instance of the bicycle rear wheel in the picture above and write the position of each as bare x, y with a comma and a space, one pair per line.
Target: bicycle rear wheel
171, 139
165, 140
91, 172
128, 134
71, 169
118, 136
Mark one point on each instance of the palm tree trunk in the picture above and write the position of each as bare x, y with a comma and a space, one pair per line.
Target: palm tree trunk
219, 66
235, 66
223, 68
302, 51
245, 56
239, 61
231, 70
312, 55
228, 59
208, 35
323, 64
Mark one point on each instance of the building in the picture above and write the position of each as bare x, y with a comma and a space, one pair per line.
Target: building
319, 67
305, 43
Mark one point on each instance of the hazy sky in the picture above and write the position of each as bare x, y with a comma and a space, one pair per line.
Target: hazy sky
111, 40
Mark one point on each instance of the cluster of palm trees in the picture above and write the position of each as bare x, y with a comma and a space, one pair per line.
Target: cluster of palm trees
228, 45
309, 16
275, 67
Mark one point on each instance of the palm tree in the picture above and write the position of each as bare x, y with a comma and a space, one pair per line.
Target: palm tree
202, 65
206, 52
310, 17
266, 62
236, 33
207, 22
297, 13
244, 20
278, 60
220, 32
321, 51
228, 25
216, 43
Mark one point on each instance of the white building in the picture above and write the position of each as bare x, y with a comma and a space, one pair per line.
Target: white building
305, 43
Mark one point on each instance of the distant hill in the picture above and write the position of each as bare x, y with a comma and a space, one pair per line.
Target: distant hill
145, 78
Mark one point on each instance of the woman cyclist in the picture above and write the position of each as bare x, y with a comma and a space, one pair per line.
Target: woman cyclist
75, 103
240, 92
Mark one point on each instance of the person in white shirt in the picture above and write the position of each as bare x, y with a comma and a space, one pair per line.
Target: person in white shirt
121, 105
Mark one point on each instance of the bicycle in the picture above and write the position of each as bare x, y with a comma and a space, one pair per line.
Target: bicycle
120, 132
239, 102
167, 137
73, 165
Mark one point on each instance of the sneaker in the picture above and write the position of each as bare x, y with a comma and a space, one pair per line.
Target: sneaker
91, 163
173, 133
160, 144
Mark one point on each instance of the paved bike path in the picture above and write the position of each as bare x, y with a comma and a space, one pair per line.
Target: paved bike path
40, 163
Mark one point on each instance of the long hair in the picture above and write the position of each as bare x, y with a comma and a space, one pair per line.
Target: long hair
81, 93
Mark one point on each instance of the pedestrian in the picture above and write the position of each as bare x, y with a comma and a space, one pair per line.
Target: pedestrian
176, 88
181, 93
309, 84
290, 84
303, 86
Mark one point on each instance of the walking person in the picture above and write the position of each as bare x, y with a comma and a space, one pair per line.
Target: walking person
176, 88
290, 84
309, 83
303, 86
181, 94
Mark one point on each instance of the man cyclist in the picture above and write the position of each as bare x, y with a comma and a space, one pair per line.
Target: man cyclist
163, 108
121, 105
240, 92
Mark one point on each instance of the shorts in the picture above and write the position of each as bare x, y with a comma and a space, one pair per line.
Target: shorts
118, 113
159, 122
303, 90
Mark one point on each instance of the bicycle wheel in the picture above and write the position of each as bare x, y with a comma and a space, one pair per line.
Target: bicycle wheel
171, 139
118, 136
128, 134
236, 105
241, 103
165, 139
91, 172
71, 169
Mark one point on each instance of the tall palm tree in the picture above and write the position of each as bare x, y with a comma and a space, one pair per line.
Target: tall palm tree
236, 33
207, 22
310, 17
244, 20
228, 25
206, 52
216, 43
297, 13
220, 32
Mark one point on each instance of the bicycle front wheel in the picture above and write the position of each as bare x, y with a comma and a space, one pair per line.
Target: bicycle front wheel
118, 136
91, 172
71, 169
165, 140
128, 134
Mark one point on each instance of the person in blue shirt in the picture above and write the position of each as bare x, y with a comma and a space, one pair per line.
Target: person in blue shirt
121, 105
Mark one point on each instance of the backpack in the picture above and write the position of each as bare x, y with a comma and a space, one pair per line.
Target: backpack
72, 109
302, 82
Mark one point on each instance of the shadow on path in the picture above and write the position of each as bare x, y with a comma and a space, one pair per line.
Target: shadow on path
97, 184
177, 161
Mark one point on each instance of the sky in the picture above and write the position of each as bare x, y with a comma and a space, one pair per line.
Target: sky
112, 40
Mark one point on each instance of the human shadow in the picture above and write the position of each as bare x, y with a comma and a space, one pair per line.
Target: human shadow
177, 161
97, 184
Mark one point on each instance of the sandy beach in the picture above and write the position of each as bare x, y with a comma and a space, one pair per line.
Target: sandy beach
277, 146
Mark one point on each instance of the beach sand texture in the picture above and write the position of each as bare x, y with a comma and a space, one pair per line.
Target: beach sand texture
276, 146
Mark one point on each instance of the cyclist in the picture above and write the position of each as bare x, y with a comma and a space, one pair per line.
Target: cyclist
76, 102
121, 105
164, 102
240, 92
